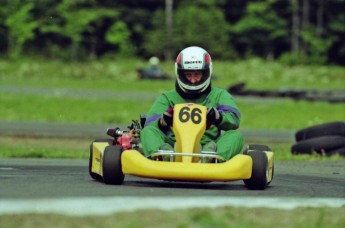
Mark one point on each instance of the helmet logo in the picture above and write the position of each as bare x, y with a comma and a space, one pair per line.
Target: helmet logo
191, 62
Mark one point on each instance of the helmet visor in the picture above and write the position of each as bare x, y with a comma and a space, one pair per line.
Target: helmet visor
193, 77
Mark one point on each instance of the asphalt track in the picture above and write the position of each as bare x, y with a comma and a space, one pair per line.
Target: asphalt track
56, 178
64, 186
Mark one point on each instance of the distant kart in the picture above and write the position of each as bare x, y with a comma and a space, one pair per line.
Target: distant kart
154, 74
111, 159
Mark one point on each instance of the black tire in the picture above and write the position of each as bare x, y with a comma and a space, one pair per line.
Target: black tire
318, 144
112, 168
340, 151
327, 129
259, 178
96, 176
256, 147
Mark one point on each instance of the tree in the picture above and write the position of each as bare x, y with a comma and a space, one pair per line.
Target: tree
119, 35
74, 20
204, 27
335, 29
303, 31
21, 27
295, 27
169, 28
155, 39
260, 31
313, 38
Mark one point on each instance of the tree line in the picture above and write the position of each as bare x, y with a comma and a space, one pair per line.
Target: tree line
293, 31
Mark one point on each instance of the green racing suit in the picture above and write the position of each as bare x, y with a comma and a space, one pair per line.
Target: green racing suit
229, 141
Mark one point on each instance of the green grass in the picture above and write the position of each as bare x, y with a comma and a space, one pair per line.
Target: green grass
41, 152
198, 217
282, 114
61, 109
114, 76
117, 77
33, 147
120, 77
37, 147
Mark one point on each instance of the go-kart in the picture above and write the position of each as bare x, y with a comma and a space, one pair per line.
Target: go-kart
153, 74
112, 159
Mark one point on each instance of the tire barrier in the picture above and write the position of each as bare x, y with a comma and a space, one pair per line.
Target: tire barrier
333, 128
333, 96
325, 139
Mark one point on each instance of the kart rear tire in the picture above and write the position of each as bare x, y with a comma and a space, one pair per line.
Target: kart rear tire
96, 176
326, 129
112, 168
260, 169
256, 147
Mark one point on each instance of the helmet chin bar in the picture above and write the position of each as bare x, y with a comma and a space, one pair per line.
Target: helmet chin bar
193, 89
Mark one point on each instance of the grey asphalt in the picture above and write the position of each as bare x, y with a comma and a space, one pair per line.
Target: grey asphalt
61, 178
88, 94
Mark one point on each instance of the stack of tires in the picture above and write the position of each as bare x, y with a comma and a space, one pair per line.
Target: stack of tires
325, 139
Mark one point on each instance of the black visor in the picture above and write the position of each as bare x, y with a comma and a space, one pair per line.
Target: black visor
184, 80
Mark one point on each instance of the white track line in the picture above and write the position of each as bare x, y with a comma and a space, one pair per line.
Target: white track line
108, 205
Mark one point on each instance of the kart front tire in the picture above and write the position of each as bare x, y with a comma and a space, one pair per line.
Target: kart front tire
96, 176
260, 171
112, 168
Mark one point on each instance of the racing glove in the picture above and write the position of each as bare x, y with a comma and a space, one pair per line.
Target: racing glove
213, 117
166, 119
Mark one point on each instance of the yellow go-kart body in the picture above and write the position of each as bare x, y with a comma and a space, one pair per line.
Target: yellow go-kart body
186, 163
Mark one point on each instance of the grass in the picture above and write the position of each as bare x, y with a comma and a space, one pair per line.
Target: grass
121, 75
115, 76
33, 147
282, 114
198, 217
106, 92
62, 109
40, 147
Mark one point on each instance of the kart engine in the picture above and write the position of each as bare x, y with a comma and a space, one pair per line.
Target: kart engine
128, 139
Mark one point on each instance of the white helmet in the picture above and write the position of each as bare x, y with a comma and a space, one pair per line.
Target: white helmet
154, 61
191, 59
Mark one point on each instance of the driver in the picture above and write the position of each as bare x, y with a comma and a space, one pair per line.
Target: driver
193, 69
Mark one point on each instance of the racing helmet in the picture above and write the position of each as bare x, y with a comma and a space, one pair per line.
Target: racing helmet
154, 61
192, 59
